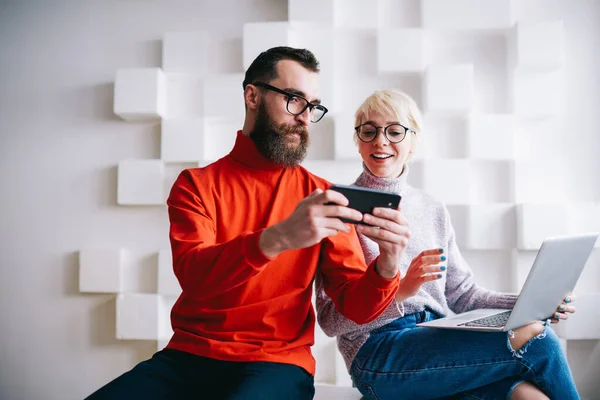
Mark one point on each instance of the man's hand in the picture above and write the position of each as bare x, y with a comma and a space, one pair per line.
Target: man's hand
311, 222
423, 268
390, 231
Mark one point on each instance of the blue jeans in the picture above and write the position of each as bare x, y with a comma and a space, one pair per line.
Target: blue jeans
172, 374
403, 361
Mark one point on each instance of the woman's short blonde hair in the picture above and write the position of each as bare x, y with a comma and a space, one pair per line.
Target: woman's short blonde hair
394, 102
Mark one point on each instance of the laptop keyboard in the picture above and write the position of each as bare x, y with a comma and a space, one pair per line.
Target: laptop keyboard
493, 321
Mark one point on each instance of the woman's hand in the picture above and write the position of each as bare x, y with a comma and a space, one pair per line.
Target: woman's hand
564, 309
389, 229
423, 268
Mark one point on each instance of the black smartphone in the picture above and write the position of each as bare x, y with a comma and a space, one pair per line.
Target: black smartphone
365, 200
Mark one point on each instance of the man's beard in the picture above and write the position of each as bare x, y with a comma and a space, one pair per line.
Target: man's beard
273, 141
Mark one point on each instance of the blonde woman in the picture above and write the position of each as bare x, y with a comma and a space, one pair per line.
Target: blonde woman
391, 358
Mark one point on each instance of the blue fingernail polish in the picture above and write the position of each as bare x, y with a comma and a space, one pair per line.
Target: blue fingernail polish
556, 315
443, 268
568, 300
439, 275
441, 250
443, 258
562, 308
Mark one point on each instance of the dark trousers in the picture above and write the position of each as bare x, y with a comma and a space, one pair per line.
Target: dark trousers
172, 374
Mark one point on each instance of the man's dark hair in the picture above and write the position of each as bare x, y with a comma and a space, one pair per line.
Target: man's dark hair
264, 67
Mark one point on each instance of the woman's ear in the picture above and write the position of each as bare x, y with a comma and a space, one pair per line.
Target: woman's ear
251, 97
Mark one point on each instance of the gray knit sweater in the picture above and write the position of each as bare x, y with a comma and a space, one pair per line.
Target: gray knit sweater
430, 228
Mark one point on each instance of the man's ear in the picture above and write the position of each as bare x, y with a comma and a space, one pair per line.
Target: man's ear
251, 97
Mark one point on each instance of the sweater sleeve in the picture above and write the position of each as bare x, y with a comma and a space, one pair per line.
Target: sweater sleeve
333, 323
195, 253
462, 293
360, 296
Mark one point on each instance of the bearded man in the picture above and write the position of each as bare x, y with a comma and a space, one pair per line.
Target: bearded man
248, 233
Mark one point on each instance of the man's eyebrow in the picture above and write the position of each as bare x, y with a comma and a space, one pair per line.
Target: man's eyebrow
301, 93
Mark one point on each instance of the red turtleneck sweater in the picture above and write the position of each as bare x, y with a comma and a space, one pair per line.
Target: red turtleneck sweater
238, 305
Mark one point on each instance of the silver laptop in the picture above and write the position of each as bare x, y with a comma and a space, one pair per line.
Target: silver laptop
553, 276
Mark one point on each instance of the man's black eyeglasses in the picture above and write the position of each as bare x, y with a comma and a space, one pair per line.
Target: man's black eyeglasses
297, 104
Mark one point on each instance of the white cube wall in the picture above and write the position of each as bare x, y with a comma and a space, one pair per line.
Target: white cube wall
185, 52
491, 226
314, 11
538, 221
141, 182
467, 14
491, 136
345, 145
137, 316
449, 89
224, 96
167, 282
538, 46
356, 14
185, 96
182, 140
536, 94
101, 270
140, 94
448, 180
401, 50
260, 36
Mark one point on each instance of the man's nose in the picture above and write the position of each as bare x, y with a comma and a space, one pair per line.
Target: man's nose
304, 116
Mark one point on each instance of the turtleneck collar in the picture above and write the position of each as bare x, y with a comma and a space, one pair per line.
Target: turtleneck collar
396, 185
245, 152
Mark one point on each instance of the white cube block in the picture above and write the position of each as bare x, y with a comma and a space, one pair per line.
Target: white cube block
356, 14
537, 94
224, 96
585, 323
492, 269
448, 180
186, 52
538, 46
342, 377
141, 182
182, 140
340, 172
138, 316
161, 344
321, 135
140, 94
448, 89
467, 14
314, 11
165, 304
539, 181
345, 140
219, 137
401, 50
491, 136
185, 96
583, 217
167, 281
101, 270
261, 36
492, 181
491, 226
536, 222
324, 391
